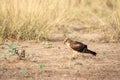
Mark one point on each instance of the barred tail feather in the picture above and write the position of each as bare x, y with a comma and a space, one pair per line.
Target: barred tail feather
89, 51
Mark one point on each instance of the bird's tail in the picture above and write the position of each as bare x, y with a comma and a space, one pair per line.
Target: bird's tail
89, 51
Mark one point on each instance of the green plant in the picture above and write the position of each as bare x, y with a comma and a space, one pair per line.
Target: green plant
3, 58
104, 54
22, 72
78, 63
11, 47
2, 47
41, 66
10, 50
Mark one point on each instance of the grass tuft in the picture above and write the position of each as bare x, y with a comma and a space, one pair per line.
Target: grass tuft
37, 19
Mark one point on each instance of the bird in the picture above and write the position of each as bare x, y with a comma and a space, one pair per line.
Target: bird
78, 46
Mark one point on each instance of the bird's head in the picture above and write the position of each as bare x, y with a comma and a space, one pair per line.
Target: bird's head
67, 40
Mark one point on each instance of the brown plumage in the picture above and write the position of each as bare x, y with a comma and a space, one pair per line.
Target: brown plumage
78, 46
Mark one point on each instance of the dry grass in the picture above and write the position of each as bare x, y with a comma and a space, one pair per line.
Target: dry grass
35, 19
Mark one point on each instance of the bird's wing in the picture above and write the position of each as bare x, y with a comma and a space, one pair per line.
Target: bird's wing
77, 45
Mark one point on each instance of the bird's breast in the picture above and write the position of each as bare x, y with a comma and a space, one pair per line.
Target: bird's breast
68, 44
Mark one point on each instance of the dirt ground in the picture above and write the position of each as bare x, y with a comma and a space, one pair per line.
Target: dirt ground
51, 61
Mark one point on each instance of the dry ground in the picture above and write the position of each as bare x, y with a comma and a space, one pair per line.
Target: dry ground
92, 22
51, 61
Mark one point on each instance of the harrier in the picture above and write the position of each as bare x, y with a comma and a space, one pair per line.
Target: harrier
78, 46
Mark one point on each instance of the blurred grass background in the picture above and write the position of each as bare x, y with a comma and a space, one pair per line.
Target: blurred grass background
36, 19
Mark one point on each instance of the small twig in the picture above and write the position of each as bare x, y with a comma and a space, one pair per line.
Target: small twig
20, 53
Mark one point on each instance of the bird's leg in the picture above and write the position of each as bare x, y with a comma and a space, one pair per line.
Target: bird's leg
74, 54
71, 57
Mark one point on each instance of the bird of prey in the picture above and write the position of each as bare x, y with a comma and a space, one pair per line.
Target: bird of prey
78, 46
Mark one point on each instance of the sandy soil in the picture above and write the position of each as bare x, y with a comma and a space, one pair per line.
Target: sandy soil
51, 61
